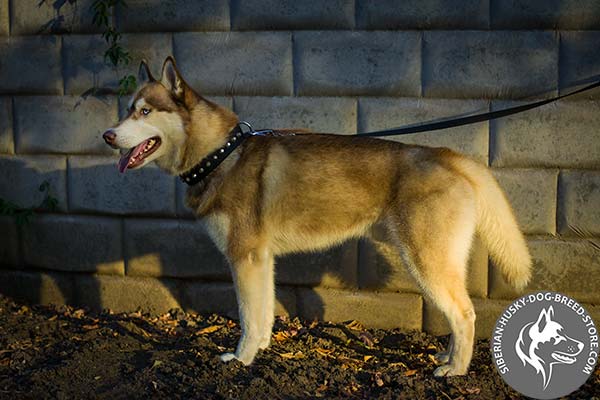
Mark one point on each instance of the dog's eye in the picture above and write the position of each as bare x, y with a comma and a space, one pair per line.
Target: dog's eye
145, 111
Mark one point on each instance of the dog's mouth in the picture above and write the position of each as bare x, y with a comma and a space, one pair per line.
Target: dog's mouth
135, 156
563, 358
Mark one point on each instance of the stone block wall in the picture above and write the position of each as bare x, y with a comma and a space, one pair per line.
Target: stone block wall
341, 66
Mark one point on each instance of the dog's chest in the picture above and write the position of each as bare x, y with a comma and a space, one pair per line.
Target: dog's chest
217, 226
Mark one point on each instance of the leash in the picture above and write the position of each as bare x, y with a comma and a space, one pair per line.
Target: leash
472, 119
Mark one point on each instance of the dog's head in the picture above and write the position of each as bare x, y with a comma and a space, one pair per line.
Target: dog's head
544, 343
154, 125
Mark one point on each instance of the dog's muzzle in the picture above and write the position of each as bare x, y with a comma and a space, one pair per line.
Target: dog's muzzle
109, 137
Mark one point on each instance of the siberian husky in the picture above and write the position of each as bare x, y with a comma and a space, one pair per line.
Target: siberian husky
284, 192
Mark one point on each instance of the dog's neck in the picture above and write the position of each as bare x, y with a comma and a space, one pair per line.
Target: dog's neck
207, 129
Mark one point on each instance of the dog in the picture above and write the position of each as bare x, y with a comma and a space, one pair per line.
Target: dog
285, 192
542, 344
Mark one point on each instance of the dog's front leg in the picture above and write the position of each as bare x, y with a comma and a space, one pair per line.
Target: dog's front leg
250, 286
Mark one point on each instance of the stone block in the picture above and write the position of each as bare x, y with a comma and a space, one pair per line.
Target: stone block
86, 68
205, 298
425, 14
383, 63
487, 313
173, 16
23, 175
67, 124
74, 243
182, 210
9, 242
569, 267
374, 310
95, 185
579, 203
385, 113
4, 21
476, 64
317, 114
579, 61
172, 248
7, 143
532, 195
545, 14
383, 270
33, 17
555, 135
37, 287
292, 14
126, 294
246, 63
30, 65
335, 268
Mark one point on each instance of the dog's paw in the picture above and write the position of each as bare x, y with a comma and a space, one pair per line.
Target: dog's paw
226, 357
447, 370
443, 357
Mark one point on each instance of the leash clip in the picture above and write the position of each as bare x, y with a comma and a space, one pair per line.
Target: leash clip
251, 130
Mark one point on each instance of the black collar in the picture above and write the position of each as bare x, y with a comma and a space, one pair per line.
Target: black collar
209, 163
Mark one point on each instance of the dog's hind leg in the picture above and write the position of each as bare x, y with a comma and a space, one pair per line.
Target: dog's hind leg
250, 285
434, 237
441, 264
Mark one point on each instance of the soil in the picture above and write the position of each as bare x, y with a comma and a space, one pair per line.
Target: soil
61, 352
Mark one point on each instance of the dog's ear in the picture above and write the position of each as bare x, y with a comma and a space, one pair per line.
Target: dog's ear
544, 318
144, 74
171, 78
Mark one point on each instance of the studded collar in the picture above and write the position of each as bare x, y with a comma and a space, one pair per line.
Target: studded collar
209, 163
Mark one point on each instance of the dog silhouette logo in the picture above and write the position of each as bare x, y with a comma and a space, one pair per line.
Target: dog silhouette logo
543, 343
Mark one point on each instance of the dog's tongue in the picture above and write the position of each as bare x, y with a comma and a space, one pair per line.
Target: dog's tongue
125, 158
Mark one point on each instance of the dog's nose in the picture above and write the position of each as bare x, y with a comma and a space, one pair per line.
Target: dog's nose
109, 137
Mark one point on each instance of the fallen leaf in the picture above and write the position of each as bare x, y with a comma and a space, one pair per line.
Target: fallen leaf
292, 355
378, 380
156, 363
473, 390
367, 339
90, 327
367, 358
52, 318
280, 336
209, 329
324, 352
410, 372
355, 325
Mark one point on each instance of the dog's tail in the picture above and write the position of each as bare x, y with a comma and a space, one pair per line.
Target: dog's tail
497, 225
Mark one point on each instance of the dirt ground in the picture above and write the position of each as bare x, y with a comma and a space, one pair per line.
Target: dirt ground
65, 353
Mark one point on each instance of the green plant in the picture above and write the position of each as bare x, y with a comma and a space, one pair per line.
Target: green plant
115, 54
23, 214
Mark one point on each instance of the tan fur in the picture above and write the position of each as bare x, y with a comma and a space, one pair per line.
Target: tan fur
282, 194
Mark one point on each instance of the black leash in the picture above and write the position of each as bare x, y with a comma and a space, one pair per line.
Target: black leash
472, 119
